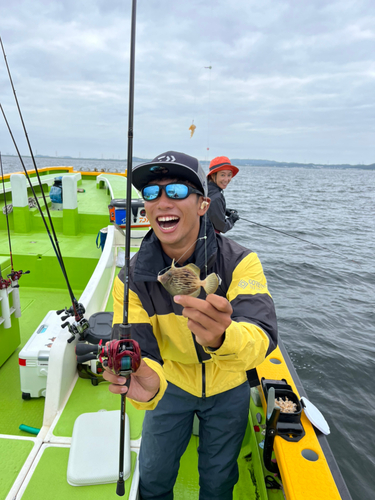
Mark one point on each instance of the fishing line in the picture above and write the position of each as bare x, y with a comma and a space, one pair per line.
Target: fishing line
6, 213
178, 260
208, 112
55, 245
198, 239
298, 238
205, 243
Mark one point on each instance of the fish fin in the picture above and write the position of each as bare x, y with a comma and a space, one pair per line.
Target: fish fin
212, 282
172, 264
195, 269
196, 293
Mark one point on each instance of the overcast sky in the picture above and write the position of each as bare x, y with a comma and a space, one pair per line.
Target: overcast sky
289, 80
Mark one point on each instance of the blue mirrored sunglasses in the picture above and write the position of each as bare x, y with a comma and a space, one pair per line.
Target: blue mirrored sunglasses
176, 191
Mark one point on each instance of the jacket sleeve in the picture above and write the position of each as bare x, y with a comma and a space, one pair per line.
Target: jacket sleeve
252, 335
217, 212
141, 332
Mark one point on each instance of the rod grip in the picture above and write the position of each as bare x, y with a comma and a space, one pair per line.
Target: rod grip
82, 349
85, 357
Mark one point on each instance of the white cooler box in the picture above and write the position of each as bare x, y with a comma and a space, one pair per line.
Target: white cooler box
34, 357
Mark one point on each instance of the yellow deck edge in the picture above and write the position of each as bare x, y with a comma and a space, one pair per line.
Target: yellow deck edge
302, 479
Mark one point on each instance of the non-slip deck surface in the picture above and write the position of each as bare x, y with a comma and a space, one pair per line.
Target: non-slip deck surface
86, 398
13, 453
49, 479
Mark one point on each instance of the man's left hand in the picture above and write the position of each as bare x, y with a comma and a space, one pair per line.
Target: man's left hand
207, 319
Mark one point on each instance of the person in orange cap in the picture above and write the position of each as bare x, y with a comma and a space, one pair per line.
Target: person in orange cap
221, 172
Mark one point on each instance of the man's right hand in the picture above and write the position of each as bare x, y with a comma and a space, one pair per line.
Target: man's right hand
144, 383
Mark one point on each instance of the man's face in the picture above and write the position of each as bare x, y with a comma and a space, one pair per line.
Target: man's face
175, 222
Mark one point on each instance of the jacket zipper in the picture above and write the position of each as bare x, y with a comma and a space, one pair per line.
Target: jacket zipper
201, 355
203, 381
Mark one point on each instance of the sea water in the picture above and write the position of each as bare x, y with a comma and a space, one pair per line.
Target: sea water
324, 300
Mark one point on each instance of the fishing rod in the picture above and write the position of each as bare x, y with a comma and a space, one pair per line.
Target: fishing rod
55, 248
77, 310
14, 275
123, 355
4, 283
30, 149
125, 328
30, 183
296, 237
6, 212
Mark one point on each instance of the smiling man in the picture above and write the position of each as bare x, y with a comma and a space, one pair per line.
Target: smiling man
195, 351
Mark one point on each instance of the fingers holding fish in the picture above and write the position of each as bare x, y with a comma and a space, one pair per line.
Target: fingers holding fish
207, 319
220, 303
211, 306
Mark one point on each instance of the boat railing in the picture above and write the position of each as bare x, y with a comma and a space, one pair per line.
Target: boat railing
62, 366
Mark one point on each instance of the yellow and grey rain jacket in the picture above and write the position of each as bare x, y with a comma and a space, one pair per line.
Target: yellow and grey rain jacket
169, 347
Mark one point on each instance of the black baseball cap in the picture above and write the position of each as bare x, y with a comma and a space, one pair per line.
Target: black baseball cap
172, 164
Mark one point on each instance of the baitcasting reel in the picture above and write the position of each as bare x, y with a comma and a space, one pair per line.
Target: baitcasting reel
123, 357
79, 325
15, 276
4, 283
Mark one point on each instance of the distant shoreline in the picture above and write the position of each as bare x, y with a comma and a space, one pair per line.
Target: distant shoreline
235, 161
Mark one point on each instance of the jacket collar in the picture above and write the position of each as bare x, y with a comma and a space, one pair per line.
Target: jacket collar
151, 259
213, 187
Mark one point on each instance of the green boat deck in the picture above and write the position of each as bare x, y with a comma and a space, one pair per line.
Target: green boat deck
44, 289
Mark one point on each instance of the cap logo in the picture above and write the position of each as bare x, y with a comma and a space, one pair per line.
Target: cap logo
167, 158
159, 169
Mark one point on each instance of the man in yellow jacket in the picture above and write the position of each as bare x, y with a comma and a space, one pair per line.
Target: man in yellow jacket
196, 352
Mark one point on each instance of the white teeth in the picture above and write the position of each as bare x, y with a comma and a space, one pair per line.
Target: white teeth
166, 219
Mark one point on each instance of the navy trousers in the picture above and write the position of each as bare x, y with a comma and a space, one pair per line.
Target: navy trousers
166, 433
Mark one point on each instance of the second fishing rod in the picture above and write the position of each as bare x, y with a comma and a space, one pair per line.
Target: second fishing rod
76, 309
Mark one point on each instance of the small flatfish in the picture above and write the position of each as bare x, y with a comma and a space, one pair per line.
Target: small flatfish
186, 281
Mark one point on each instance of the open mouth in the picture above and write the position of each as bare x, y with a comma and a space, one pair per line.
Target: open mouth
168, 223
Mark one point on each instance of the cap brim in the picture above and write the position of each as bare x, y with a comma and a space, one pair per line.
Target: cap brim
143, 174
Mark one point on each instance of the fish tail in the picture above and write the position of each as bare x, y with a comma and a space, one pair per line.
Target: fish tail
211, 283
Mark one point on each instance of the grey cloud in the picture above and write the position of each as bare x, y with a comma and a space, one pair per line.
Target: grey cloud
289, 81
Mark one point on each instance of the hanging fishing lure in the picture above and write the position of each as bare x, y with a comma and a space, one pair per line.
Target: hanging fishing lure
192, 129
